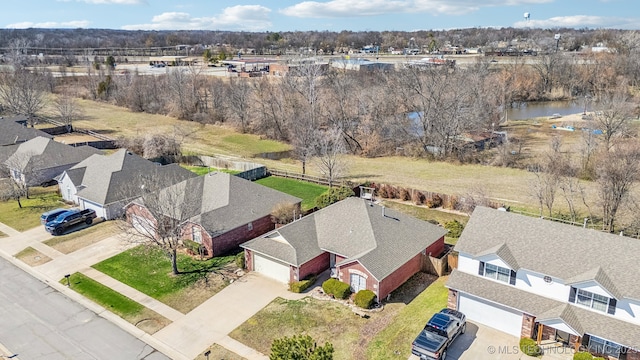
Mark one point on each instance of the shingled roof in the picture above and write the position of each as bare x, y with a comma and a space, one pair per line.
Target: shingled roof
44, 153
221, 202
543, 308
105, 179
13, 132
381, 239
566, 252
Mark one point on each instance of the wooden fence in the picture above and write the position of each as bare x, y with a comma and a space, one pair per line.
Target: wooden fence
298, 176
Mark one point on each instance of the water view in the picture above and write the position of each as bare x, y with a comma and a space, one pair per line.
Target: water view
531, 110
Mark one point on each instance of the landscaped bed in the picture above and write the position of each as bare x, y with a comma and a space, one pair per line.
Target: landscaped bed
149, 271
40, 200
135, 313
307, 191
352, 336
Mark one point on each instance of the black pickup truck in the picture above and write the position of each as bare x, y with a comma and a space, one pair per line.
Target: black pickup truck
434, 340
68, 219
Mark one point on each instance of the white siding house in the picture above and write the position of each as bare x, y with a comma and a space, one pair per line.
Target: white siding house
534, 278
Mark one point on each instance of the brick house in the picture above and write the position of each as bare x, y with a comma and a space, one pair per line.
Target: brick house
218, 210
364, 245
544, 280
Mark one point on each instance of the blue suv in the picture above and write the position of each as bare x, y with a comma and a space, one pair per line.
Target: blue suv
50, 215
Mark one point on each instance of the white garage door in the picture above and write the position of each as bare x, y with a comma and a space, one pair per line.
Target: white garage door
96, 207
271, 268
142, 225
491, 315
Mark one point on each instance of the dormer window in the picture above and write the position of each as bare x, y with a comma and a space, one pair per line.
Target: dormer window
497, 273
593, 301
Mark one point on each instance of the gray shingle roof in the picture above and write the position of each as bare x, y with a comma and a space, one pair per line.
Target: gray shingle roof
221, 202
356, 229
580, 319
110, 178
44, 153
566, 252
12, 132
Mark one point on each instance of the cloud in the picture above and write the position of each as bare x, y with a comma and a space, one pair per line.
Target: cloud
351, 8
580, 21
109, 2
240, 17
50, 25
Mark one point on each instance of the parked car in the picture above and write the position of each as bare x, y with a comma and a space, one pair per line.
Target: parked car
438, 334
68, 219
50, 215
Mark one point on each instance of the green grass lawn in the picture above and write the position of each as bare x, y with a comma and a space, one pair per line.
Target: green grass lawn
201, 170
114, 301
307, 191
149, 271
27, 217
394, 342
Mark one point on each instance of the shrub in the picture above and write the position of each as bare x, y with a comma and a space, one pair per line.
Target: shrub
455, 228
382, 192
191, 246
418, 198
284, 212
240, 260
333, 195
599, 358
341, 290
405, 195
337, 288
392, 191
434, 202
300, 347
529, 347
582, 355
329, 285
302, 285
364, 298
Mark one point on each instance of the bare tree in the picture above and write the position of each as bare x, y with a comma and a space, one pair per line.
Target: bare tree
157, 219
329, 154
613, 116
23, 92
239, 99
618, 169
67, 110
284, 213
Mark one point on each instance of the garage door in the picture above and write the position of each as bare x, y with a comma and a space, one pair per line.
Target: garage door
271, 268
490, 314
96, 207
142, 225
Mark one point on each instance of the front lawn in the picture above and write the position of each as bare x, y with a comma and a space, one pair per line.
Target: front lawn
40, 200
394, 342
32, 257
307, 191
135, 313
322, 320
78, 239
149, 271
352, 336
219, 352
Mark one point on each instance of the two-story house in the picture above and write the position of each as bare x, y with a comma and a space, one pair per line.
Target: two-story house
545, 280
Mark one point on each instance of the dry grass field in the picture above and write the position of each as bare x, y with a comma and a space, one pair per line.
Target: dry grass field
508, 185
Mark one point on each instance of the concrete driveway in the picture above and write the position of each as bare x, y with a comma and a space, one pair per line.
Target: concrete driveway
482, 342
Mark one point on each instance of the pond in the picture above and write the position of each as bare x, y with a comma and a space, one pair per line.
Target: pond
529, 110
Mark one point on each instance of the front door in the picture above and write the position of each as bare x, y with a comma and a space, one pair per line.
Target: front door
562, 337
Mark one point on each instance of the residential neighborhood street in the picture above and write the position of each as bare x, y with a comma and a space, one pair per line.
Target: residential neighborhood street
185, 338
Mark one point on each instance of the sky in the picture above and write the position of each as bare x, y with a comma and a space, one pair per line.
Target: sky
320, 15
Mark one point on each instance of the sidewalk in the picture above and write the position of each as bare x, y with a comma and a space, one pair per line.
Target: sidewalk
189, 334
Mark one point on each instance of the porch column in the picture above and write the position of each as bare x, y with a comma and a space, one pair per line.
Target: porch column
576, 345
540, 329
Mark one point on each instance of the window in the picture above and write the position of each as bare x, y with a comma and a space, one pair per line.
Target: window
196, 235
357, 282
604, 347
594, 301
497, 273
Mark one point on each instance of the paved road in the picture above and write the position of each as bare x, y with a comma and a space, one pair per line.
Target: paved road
38, 322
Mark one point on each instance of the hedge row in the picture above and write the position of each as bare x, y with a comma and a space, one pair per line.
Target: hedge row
302, 285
